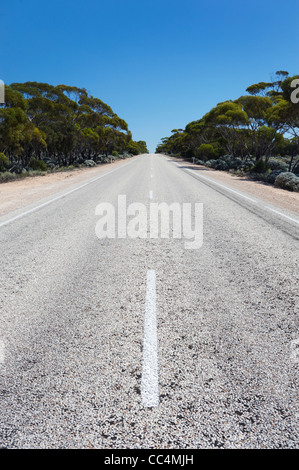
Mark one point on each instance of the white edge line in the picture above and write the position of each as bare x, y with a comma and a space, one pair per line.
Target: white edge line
223, 186
2, 352
246, 197
283, 215
149, 380
23, 214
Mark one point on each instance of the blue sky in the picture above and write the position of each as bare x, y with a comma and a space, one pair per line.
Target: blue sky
159, 64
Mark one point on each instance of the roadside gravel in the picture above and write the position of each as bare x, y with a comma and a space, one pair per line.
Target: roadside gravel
20, 193
277, 196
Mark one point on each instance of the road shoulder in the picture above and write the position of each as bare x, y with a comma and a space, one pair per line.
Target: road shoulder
17, 194
284, 199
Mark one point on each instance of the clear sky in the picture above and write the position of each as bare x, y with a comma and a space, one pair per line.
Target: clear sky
158, 63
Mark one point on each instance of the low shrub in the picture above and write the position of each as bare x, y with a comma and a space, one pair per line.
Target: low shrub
258, 176
36, 164
90, 163
287, 180
271, 177
79, 161
210, 163
260, 166
8, 176
235, 163
275, 164
11, 176
221, 165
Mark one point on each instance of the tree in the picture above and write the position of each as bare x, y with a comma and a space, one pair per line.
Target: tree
253, 126
206, 151
284, 115
60, 124
229, 119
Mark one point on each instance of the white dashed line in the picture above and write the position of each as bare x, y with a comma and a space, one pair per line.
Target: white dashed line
151, 194
149, 381
2, 353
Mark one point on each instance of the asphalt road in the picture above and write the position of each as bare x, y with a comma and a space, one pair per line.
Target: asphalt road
141, 343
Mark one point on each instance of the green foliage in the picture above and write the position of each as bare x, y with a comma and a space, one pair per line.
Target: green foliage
260, 167
245, 134
4, 162
142, 146
220, 165
287, 180
36, 164
7, 176
259, 88
211, 163
276, 164
206, 151
228, 162
134, 148
61, 124
271, 177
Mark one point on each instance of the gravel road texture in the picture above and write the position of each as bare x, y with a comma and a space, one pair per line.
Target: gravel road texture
72, 319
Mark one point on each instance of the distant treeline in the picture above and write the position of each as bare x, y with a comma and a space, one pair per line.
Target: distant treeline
262, 124
59, 126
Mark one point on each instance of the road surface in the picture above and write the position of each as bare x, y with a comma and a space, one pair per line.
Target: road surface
132, 343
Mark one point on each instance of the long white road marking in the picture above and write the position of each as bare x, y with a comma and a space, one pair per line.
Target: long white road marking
2, 353
223, 186
23, 214
282, 215
246, 197
151, 194
149, 380
240, 194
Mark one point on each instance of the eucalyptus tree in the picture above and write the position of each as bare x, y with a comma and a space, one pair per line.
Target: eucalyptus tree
258, 125
60, 123
231, 121
19, 137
